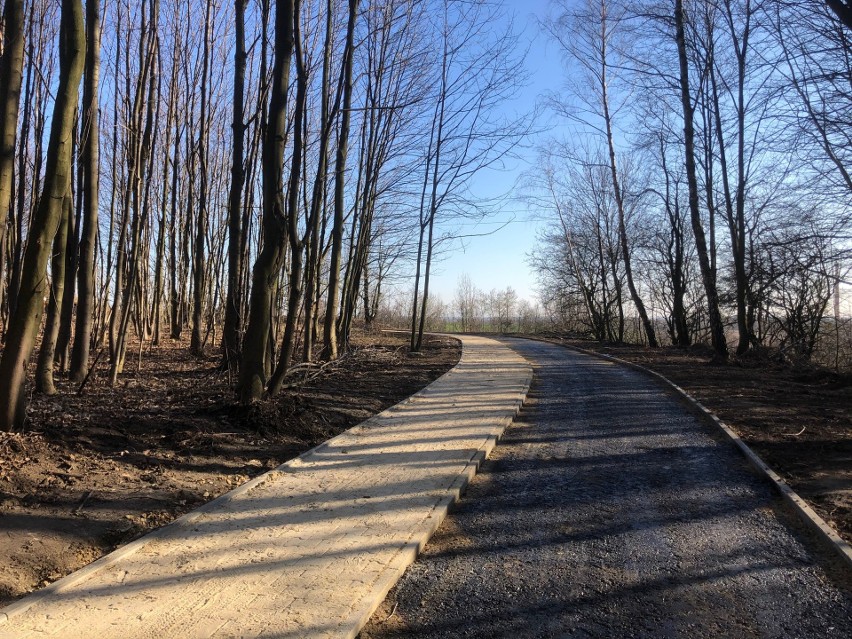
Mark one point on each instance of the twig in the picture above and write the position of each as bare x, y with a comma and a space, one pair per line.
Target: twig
82, 503
391, 614
795, 434
319, 371
89, 373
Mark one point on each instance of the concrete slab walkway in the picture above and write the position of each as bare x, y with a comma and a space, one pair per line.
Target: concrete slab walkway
309, 549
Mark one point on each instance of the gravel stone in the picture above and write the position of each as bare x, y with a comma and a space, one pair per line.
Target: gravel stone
610, 510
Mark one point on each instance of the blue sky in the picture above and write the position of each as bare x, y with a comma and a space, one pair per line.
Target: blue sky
498, 260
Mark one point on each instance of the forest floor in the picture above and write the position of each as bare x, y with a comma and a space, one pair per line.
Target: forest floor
93, 471
799, 420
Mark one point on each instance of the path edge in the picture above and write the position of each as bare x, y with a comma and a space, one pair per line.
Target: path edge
407, 553
362, 611
823, 530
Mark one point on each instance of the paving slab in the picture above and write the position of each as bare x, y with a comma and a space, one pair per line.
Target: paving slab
309, 549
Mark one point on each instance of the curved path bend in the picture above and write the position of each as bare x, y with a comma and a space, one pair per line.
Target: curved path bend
610, 511
309, 549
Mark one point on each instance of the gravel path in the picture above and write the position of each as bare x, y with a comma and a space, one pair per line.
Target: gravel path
609, 511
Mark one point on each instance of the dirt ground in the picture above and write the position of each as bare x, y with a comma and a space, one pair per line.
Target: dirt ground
798, 420
98, 469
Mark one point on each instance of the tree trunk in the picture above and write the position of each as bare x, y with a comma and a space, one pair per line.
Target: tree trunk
199, 271
412, 345
44, 369
617, 190
24, 324
16, 224
717, 328
294, 294
91, 184
142, 142
734, 203
426, 275
61, 355
160, 266
174, 228
233, 300
319, 190
11, 73
268, 263
329, 350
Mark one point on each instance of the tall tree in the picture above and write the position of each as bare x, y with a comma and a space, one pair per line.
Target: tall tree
233, 300
91, 185
11, 73
296, 245
328, 113
135, 207
717, 328
591, 41
267, 266
477, 70
199, 267
25, 321
329, 350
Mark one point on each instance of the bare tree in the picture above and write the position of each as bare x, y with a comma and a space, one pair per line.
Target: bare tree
198, 268
392, 89
269, 259
329, 350
11, 74
294, 293
478, 70
466, 302
582, 252
717, 328
25, 321
589, 34
91, 185
233, 301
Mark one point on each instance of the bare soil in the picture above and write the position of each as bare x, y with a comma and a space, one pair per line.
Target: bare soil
799, 420
97, 469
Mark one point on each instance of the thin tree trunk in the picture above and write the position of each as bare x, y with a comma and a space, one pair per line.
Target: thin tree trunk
617, 190
622, 235
426, 274
717, 328
44, 369
159, 268
61, 353
11, 74
16, 224
415, 301
233, 301
141, 146
174, 223
319, 189
268, 264
329, 350
196, 346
